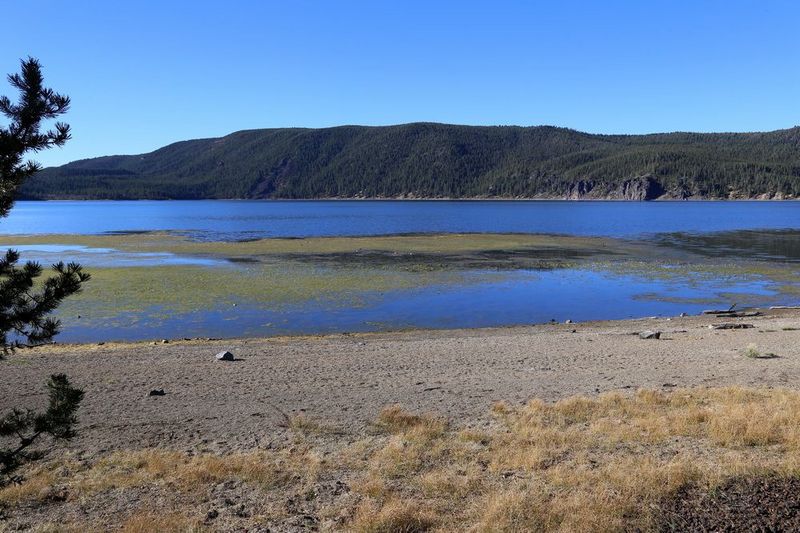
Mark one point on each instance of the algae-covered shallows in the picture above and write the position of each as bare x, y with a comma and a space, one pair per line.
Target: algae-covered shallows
339, 283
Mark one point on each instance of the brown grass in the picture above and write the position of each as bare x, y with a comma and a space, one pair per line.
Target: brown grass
393, 516
395, 419
125, 470
600, 464
151, 522
580, 464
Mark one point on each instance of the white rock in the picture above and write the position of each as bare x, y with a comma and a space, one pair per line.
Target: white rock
224, 356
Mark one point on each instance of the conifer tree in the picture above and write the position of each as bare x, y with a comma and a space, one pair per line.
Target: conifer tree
26, 301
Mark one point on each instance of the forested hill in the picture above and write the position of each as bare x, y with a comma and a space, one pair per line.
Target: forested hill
425, 160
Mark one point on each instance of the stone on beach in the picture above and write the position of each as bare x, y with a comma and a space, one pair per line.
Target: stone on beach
648, 334
224, 356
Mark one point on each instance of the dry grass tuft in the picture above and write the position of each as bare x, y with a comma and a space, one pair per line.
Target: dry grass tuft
150, 522
752, 351
394, 516
305, 425
395, 419
38, 486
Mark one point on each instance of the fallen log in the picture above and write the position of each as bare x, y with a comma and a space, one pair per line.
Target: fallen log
720, 311
739, 314
785, 307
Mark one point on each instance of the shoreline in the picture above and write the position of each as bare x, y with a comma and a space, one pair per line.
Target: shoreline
705, 319
344, 380
405, 199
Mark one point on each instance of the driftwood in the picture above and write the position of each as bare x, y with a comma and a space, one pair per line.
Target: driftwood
739, 314
730, 313
731, 325
785, 307
719, 311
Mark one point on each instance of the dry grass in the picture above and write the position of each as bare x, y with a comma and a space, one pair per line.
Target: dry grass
150, 522
393, 516
752, 351
185, 473
580, 464
601, 464
36, 487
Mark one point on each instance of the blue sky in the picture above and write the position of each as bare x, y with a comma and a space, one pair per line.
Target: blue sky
143, 74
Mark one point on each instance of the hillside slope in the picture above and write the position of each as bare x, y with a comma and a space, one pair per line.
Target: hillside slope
425, 160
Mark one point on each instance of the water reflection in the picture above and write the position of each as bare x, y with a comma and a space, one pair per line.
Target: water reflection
764, 245
105, 257
524, 297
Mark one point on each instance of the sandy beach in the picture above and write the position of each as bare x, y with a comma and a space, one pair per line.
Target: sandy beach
344, 381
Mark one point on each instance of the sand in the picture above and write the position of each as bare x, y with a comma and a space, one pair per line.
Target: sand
343, 381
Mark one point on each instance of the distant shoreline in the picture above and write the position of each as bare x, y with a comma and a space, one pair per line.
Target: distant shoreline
381, 199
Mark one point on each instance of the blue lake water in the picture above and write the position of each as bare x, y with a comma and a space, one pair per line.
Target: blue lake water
523, 298
223, 220
710, 231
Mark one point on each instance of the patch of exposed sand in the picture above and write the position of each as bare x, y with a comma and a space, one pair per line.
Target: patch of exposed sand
344, 380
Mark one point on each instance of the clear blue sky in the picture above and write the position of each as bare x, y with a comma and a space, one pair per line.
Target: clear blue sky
143, 74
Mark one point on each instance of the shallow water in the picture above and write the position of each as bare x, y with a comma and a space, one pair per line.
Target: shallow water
104, 257
661, 259
775, 245
520, 298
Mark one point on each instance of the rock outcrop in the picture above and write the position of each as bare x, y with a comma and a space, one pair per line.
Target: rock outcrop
579, 190
640, 188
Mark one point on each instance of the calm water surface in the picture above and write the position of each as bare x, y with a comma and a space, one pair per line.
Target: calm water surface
523, 298
221, 219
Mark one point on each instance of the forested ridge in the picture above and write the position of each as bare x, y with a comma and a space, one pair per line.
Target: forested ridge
425, 160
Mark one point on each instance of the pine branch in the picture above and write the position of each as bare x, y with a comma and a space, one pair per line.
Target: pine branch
57, 422
23, 134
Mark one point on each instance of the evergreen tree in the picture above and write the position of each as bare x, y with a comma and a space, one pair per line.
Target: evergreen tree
26, 302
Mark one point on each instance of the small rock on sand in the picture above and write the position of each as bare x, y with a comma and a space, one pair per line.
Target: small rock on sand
648, 334
224, 356
156, 392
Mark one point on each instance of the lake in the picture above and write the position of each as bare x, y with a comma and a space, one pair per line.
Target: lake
242, 219
166, 269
